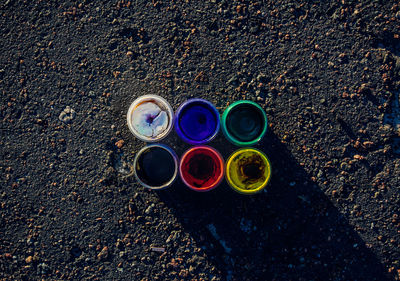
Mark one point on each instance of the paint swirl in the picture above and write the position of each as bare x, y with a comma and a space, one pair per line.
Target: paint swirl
149, 119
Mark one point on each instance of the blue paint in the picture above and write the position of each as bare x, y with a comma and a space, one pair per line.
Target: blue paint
197, 121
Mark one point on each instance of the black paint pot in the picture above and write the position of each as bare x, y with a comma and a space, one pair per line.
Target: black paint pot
156, 166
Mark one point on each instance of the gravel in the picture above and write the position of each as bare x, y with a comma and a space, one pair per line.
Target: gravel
327, 75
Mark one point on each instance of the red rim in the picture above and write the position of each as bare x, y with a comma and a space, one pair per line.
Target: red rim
201, 168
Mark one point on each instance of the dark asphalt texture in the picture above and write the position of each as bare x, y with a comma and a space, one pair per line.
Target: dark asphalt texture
327, 74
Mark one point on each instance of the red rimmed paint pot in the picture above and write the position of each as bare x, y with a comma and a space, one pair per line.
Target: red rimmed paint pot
201, 168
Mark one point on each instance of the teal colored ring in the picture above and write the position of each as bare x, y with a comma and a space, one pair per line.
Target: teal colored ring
229, 136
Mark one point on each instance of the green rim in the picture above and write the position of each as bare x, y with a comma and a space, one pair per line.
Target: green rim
234, 140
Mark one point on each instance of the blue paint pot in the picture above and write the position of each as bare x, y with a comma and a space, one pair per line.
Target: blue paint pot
197, 121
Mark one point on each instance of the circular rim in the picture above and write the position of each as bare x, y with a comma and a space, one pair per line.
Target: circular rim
230, 137
229, 179
221, 161
174, 156
179, 130
159, 100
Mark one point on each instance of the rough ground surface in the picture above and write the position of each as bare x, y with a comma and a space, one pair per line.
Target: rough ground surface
327, 76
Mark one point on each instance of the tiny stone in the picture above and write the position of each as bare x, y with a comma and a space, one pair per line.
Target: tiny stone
261, 77
233, 80
29, 241
67, 115
158, 249
42, 268
119, 143
149, 209
103, 253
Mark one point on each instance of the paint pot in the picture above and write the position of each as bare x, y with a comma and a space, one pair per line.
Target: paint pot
244, 123
248, 170
197, 121
150, 118
156, 166
201, 168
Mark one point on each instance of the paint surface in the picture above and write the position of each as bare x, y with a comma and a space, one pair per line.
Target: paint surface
245, 122
155, 166
149, 119
248, 170
197, 121
201, 168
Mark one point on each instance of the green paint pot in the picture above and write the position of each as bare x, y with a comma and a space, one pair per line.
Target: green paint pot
244, 123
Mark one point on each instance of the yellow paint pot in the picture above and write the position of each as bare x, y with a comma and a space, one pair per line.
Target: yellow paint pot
248, 170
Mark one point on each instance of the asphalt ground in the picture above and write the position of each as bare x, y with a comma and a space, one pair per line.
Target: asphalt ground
327, 75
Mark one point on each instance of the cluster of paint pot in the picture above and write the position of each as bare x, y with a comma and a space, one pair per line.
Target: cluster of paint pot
197, 121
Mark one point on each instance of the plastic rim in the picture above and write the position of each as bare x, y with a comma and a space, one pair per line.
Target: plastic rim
230, 137
174, 156
162, 102
235, 186
221, 162
178, 128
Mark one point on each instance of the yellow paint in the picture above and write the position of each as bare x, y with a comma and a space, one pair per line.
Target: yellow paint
236, 174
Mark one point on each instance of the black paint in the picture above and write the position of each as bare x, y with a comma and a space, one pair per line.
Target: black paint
245, 122
155, 166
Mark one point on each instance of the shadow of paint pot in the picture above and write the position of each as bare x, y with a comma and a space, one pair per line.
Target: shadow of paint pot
150, 118
248, 171
197, 121
202, 168
156, 166
244, 123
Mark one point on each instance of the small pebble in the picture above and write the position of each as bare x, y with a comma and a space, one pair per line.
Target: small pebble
67, 115
119, 143
149, 209
158, 249
103, 253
